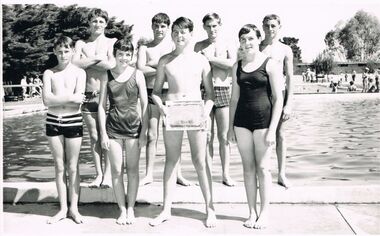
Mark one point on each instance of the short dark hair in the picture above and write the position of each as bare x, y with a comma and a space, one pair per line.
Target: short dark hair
161, 18
63, 41
97, 12
211, 16
272, 17
124, 45
248, 28
183, 23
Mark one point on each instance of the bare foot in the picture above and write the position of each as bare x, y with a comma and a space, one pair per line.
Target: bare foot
122, 220
211, 219
131, 216
182, 181
106, 183
161, 218
96, 183
283, 181
62, 214
146, 180
262, 221
76, 216
228, 181
250, 222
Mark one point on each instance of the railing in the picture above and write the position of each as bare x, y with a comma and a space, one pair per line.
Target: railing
35, 90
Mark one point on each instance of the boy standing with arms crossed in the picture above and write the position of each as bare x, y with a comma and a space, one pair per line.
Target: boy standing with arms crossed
283, 54
95, 56
221, 59
184, 70
63, 90
147, 61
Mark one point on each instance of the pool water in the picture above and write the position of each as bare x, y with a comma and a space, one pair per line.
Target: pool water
331, 137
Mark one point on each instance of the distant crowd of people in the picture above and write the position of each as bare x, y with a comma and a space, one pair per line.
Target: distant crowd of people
31, 87
370, 81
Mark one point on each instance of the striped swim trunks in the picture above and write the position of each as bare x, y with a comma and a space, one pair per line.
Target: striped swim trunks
70, 126
222, 96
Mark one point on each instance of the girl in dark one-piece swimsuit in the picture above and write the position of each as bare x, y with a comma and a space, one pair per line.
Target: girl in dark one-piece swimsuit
124, 127
255, 109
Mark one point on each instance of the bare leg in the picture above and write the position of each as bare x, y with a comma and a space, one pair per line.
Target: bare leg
198, 144
115, 155
107, 177
133, 157
173, 144
56, 144
222, 116
72, 149
281, 155
210, 140
247, 152
180, 179
96, 151
151, 147
262, 157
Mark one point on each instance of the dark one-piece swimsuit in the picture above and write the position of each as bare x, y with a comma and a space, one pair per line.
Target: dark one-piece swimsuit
123, 120
254, 108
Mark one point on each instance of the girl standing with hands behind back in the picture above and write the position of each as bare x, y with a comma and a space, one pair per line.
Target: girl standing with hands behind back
256, 105
124, 127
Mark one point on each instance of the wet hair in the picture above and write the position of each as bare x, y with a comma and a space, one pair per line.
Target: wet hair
248, 28
212, 16
183, 23
124, 45
272, 17
97, 12
161, 18
63, 41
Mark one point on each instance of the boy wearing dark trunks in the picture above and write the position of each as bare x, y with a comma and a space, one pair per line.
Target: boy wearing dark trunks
147, 61
63, 91
95, 56
221, 59
283, 54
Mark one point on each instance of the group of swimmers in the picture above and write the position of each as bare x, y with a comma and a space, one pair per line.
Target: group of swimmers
244, 90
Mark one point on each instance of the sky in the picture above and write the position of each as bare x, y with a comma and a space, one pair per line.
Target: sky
307, 20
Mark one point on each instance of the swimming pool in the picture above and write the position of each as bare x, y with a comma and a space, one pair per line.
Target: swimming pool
331, 137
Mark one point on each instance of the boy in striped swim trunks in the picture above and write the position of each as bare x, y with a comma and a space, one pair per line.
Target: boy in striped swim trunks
221, 58
63, 94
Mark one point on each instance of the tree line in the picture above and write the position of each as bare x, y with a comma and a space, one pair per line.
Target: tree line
358, 40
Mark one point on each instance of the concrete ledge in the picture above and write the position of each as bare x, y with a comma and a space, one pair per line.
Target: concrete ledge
36, 192
20, 110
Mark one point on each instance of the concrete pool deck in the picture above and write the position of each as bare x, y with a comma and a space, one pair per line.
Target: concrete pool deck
351, 209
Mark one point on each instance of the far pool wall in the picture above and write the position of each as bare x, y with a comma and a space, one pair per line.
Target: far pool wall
339, 68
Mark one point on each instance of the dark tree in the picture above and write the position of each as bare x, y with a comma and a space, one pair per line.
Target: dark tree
292, 43
360, 37
29, 32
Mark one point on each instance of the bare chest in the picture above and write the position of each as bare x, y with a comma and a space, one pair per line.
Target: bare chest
274, 52
154, 53
63, 82
95, 48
